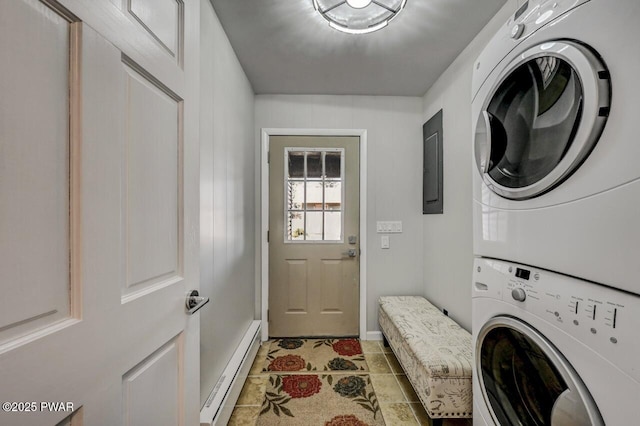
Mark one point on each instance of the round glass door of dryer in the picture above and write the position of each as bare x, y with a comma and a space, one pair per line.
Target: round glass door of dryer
526, 381
542, 119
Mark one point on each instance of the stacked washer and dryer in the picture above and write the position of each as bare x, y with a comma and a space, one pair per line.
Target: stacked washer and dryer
556, 188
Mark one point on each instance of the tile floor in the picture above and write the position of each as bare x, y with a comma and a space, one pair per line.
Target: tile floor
399, 403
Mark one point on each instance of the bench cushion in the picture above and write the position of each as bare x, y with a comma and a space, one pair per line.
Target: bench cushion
434, 351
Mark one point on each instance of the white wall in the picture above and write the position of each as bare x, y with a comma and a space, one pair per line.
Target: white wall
227, 200
394, 178
447, 238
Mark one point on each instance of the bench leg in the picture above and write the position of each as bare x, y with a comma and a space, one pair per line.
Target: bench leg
436, 422
385, 342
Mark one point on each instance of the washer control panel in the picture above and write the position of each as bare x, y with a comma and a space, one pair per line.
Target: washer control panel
605, 319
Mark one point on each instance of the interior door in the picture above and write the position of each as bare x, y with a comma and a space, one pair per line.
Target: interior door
314, 244
98, 212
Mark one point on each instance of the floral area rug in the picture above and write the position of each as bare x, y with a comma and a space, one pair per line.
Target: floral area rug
320, 399
311, 355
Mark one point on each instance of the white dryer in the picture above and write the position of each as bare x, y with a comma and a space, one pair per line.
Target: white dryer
552, 350
556, 180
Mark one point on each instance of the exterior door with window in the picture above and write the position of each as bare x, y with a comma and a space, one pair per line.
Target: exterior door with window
314, 246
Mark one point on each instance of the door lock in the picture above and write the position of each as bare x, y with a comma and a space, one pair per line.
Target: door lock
353, 239
350, 253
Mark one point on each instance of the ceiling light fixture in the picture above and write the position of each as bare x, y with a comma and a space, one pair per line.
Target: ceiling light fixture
358, 16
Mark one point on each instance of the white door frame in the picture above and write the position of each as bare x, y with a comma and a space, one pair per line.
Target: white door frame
266, 133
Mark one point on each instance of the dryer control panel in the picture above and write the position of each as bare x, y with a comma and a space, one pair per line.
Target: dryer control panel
534, 14
604, 319
526, 20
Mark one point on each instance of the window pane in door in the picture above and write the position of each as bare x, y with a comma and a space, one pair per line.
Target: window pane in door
295, 226
333, 226
333, 195
295, 195
332, 164
314, 195
314, 164
296, 164
314, 226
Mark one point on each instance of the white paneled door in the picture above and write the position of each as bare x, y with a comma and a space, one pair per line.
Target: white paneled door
98, 212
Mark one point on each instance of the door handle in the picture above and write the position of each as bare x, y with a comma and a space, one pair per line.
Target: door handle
490, 142
195, 302
483, 142
350, 253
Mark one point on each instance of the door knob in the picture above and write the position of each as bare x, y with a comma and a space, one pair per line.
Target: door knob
195, 302
350, 253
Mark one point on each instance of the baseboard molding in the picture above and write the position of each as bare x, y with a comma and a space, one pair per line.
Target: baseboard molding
219, 406
374, 335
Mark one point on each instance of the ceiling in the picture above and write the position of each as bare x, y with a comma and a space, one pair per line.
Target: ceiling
286, 47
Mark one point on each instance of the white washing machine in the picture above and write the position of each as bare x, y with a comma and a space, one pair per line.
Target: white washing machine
552, 350
556, 120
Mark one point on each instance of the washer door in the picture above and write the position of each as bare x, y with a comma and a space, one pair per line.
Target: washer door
526, 381
542, 119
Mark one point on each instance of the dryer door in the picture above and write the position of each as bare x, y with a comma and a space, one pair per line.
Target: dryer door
542, 119
526, 381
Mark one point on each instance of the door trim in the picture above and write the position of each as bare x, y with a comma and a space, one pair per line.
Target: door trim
263, 218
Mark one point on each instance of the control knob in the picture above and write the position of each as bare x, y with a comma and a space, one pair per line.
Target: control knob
518, 294
517, 31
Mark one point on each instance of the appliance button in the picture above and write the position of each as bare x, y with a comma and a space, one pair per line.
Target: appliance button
613, 340
518, 294
594, 331
517, 31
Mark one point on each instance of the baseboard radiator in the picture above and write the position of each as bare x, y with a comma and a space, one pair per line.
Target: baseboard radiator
219, 405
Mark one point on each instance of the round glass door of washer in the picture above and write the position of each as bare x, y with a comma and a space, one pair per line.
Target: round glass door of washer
525, 381
542, 119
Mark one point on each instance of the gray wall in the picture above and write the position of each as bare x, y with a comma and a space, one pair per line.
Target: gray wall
227, 251
447, 239
394, 176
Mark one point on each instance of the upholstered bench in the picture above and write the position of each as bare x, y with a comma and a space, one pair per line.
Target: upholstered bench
434, 352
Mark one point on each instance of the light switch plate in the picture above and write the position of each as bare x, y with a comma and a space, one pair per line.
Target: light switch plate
384, 242
389, 227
